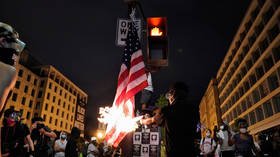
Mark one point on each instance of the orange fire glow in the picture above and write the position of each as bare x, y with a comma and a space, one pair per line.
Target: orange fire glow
156, 32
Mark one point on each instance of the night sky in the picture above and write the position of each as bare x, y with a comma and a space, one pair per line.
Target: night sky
78, 38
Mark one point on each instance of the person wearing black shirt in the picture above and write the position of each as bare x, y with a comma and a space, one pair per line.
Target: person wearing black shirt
178, 121
71, 149
13, 135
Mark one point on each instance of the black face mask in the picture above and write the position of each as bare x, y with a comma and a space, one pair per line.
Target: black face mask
7, 55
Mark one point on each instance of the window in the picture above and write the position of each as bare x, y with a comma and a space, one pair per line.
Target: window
268, 63
50, 120
263, 45
249, 102
26, 89
273, 82
27, 115
255, 56
65, 95
23, 100
20, 72
30, 104
67, 116
252, 118
61, 123
259, 72
44, 117
60, 92
276, 54
14, 98
42, 83
259, 112
256, 96
62, 114
71, 118
267, 15
17, 86
37, 106
68, 107
55, 122
246, 86
48, 96
55, 88
73, 109
249, 64
243, 106
54, 99
253, 79
33, 92
59, 101
273, 32
52, 109
46, 106
35, 81
28, 77
276, 103
57, 112
267, 109
64, 104
50, 85
263, 89
66, 125
40, 93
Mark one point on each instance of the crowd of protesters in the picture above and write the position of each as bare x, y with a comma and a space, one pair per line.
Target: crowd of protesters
227, 143
38, 140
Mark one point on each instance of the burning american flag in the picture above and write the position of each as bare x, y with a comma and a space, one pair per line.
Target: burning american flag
132, 78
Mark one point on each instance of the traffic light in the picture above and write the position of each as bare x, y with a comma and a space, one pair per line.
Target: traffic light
157, 42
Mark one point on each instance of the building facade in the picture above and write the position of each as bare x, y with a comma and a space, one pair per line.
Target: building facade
42, 90
209, 107
249, 77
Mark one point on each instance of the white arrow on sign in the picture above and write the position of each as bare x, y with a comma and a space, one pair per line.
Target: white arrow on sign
122, 30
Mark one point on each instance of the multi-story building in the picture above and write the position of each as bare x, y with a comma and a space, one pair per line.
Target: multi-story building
42, 90
249, 77
209, 108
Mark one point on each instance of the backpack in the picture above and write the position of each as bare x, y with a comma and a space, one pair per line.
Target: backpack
204, 140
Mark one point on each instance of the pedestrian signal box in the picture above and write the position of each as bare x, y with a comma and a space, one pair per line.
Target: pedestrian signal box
157, 42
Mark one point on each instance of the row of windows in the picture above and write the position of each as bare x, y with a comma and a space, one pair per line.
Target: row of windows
267, 64
63, 84
29, 78
251, 39
60, 93
50, 120
59, 102
242, 35
267, 86
26, 88
262, 112
57, 111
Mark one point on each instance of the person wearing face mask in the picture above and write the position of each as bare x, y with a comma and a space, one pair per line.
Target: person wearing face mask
207, 145
243, 141
225, 136
177, 120
60, 144
13, 135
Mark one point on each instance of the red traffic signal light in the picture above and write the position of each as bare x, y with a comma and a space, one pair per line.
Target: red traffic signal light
157, 42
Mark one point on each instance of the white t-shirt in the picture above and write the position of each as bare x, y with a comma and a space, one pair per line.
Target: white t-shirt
62, 145
91, 148
224, 136
206, 146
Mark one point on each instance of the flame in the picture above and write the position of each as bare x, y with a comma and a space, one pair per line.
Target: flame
113, 116
156, 32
